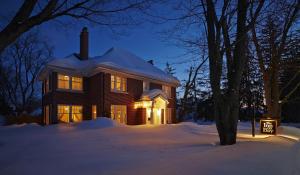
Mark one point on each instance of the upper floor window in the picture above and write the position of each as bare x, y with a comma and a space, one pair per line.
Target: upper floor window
146, 86
63, 81
76, 83
68, 82
167, 90
118, 83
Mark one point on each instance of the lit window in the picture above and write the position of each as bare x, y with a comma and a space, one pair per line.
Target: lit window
112, 82
119, 113
63, 113
94, 112
76, 83
118, 83
124, 83
167, 90
146, 86
68, 82
63, 81
76, 113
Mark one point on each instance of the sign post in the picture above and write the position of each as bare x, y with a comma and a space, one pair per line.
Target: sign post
268, 126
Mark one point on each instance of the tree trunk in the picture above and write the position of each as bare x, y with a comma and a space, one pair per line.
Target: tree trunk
226, 115
271, 88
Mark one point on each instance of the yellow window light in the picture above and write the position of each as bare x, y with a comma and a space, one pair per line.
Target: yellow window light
142, 104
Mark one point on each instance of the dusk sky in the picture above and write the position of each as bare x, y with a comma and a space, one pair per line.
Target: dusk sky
142, 40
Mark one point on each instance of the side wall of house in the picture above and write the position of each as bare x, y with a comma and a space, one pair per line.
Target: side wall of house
134, 91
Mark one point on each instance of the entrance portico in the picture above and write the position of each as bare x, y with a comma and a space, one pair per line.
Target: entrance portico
155, 102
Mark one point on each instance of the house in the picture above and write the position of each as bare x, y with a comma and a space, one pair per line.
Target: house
117, 84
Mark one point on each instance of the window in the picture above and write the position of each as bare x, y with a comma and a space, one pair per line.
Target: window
167, 90
146, 86
68, 82
63, 113
119, 113
63, 81
94, 112
76, 113
118, 83
112, 82
67, 113
76, 83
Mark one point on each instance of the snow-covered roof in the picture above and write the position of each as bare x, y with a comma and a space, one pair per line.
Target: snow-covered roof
114, 59
151, 94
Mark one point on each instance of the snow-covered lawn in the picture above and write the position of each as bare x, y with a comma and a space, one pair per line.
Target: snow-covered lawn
104, 147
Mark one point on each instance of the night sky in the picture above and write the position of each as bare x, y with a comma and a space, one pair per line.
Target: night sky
142, 40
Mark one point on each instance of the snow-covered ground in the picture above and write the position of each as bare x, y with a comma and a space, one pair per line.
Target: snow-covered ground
105, 147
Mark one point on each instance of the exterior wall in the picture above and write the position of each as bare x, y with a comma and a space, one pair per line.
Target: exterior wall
155, 86
96, 91
141, 115
172, 104
134, 91
57, 96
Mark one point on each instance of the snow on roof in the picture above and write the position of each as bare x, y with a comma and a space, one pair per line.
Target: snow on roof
149, 95
116, 59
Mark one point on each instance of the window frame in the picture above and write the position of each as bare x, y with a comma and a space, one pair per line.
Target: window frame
70, 82
71, 113
64, 106
118, 84
114, 109
168, 90
79, 81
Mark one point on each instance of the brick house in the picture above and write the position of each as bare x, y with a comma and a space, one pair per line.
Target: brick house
118, 85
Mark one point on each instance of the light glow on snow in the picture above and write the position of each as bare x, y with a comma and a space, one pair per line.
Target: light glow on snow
103, 146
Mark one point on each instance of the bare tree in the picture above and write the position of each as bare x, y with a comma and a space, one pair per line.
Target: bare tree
189, 86
270, 38
226, 40
108, 13
21, 63
226, 101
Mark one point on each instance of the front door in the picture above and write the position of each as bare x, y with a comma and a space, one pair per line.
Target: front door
157, 118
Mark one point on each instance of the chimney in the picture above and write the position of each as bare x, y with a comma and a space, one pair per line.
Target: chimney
151, 62
84, 44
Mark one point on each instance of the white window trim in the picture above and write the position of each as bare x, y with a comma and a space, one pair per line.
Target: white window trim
115, 84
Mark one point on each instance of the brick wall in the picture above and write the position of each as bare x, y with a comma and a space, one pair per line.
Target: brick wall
96, 91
